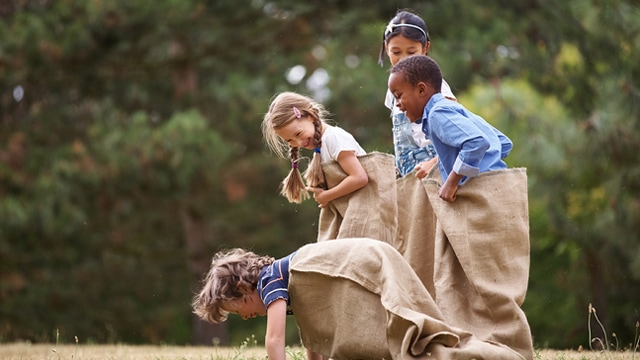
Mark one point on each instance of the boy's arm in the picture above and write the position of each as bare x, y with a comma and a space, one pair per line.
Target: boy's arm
276, 326
455, 130
448, 190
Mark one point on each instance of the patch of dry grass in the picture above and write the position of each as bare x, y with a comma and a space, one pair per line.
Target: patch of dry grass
26, 351
584, 355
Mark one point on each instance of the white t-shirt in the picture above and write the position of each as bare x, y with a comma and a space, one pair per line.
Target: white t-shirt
336, 140
416, 129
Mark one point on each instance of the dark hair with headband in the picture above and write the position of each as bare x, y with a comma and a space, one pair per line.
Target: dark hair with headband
407, 24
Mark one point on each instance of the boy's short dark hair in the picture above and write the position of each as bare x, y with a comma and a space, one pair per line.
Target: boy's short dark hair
417, 68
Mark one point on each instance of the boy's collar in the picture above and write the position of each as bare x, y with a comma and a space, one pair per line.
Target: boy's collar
432, 101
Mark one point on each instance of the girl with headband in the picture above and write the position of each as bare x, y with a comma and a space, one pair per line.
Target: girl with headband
406, 35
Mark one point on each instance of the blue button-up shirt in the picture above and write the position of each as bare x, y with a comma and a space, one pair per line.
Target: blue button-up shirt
464, 141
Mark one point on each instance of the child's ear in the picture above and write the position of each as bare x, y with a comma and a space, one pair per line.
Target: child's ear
422, 88
425, 89
425, 49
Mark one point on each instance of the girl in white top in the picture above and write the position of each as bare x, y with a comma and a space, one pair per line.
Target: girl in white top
296, 121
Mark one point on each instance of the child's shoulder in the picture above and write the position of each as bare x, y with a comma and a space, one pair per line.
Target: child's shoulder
334, 130
336, 139
443, 102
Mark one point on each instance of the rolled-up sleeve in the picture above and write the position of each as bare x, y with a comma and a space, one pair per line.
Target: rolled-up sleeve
506, 143
456, 131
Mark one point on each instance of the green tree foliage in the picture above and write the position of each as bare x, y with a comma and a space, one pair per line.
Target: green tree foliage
578, 130
103, 147
130, 148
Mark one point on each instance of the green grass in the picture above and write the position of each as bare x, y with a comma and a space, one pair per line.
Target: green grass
606, 348
27, 351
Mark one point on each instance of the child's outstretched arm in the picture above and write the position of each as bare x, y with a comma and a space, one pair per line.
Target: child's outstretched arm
356, 178
276, 326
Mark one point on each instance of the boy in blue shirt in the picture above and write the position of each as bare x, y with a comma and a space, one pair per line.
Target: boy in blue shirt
465, 143
481, 240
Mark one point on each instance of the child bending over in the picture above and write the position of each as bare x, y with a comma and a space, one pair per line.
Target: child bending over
352, 299
244, 283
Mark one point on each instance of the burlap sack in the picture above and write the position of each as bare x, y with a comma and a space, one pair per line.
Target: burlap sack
482, 256
416, 228
359, 299
368, 212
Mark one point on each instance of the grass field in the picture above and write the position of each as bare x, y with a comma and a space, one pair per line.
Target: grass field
25, 351
22, 351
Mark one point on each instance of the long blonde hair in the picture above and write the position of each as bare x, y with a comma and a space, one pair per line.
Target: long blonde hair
231, 273
287, 107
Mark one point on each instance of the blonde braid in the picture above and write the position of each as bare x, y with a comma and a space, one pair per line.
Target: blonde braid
285, 108
314, 174
293, 187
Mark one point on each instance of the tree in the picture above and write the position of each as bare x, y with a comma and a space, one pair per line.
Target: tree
130, 148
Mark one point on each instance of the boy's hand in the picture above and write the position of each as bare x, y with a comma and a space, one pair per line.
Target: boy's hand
318, 195
448, 190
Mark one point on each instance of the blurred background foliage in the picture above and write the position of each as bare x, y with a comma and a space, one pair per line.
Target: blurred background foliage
130, 149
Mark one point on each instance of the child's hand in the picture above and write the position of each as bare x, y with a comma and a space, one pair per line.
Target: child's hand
423, 168
319, 195
448, 190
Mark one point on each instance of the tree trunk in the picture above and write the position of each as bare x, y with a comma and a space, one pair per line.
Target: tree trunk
198, 258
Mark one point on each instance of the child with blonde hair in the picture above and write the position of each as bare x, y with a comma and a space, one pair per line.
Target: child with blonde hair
295, 121
350, 298
345, 181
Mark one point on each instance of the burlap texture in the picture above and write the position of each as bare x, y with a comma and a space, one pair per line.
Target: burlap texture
416, 228
368, 212
359, 299
482, 256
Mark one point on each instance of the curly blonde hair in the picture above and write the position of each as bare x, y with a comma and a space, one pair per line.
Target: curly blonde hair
287, 107
231, 273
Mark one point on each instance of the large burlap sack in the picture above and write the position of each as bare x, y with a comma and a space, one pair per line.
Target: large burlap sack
481, 266
416, 228
368, 212
359, 299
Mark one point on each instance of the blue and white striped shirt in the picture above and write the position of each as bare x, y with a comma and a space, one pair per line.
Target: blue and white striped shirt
273, 283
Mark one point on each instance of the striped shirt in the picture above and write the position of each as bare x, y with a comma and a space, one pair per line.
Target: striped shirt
274, 282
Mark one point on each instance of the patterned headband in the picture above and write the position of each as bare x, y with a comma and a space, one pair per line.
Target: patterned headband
392, 26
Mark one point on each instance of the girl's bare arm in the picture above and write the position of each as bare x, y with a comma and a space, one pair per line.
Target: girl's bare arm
356, 178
